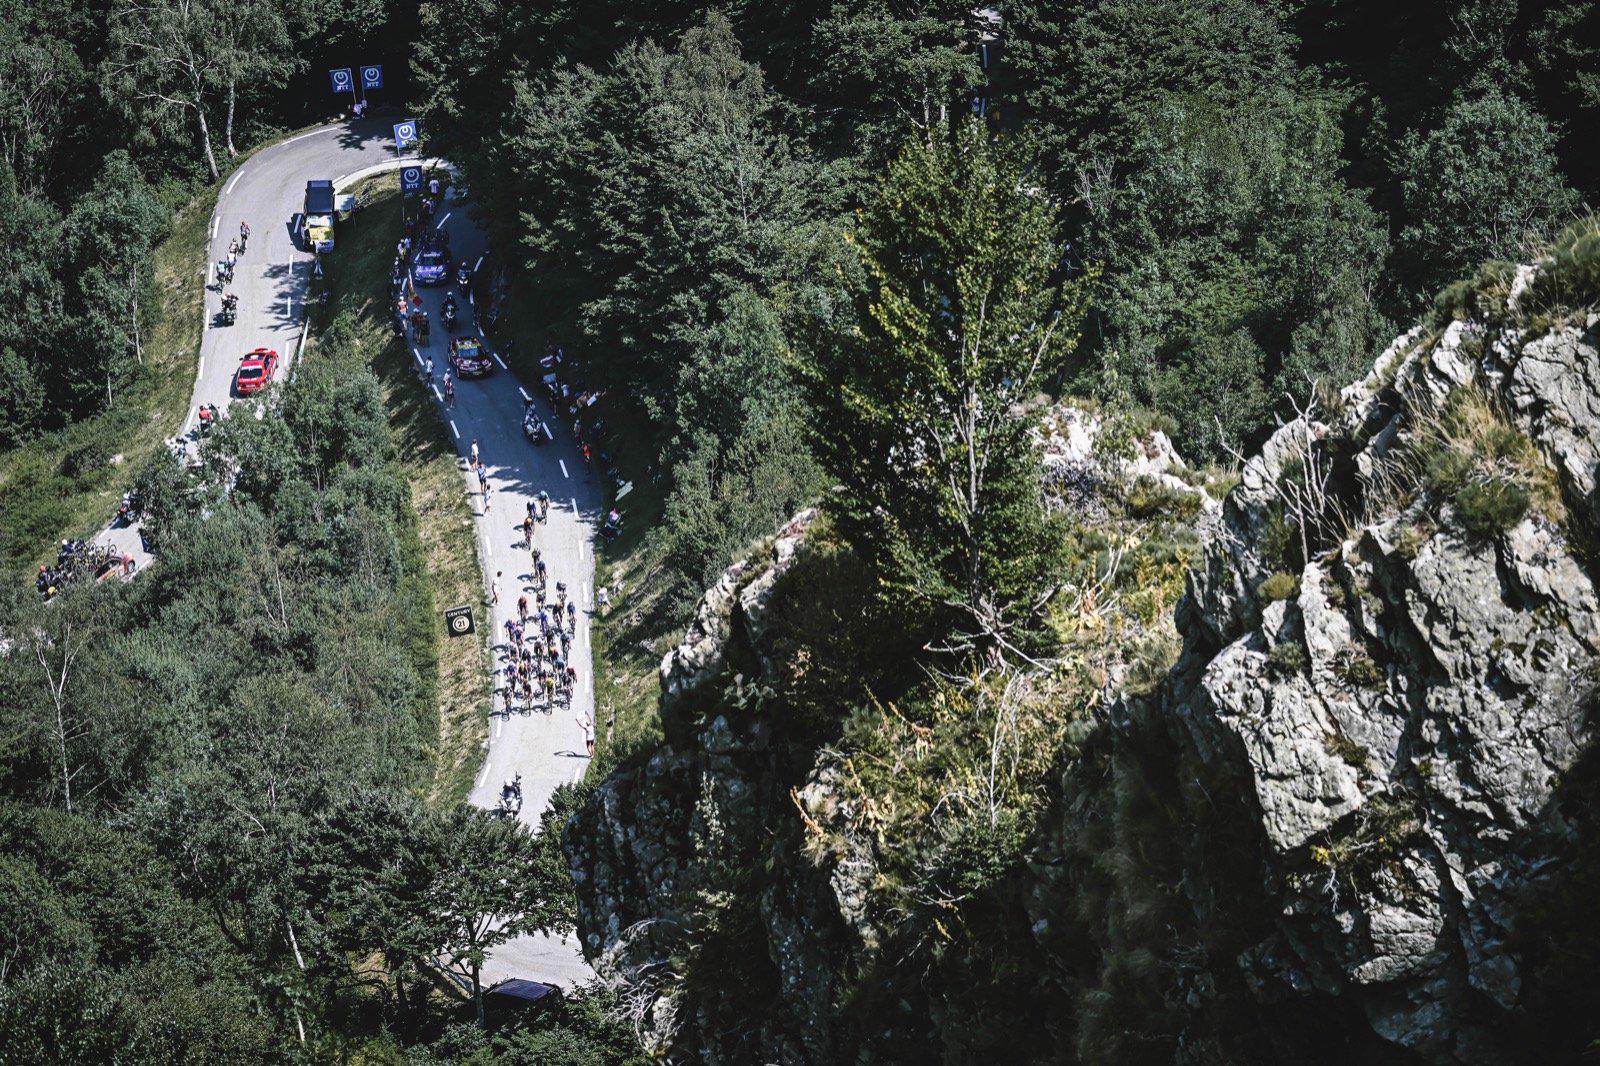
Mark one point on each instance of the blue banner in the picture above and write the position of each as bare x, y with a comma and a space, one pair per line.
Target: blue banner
372, 77
411, 179
405, 133
343, 80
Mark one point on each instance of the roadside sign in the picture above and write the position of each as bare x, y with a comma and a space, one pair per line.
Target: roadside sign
372, 77
410, 179
343, 81
405, 133
458, 621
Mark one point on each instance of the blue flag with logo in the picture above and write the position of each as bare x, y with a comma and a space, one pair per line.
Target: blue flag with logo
410, 179
405, 133
343, 81
372, 77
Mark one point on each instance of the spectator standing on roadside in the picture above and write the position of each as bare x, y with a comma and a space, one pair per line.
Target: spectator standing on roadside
494, 588
602, 599
588, 733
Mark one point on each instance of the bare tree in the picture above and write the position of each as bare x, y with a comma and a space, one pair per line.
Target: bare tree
56, 649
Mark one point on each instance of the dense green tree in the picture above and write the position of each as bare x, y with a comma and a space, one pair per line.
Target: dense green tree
110, 235
1093, 77
958, 318
104, 959
489, 886
42, 77
1229, 247
30, 259
1477, 186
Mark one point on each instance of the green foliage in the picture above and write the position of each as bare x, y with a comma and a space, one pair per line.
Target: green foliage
581, 1029
1280, 585
1481, 297
1569, 276
1287, 658
1476, 186
105, 959
1151, 663
1358, 668
1235, 268
1280, 541
1148, 498
1488, 470
1097, 75
705, 209
1366, 846
1353, 754
956, 314
258, 705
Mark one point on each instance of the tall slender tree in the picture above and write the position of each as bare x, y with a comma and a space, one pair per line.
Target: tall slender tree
957, 317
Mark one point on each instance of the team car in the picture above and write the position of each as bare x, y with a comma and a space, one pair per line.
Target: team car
255, 371
470, 358
432, 264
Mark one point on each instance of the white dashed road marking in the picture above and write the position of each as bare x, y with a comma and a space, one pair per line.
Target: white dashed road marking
443, 220
499, 360
454, 432
437, 395
563, 463
478, 264
525, 396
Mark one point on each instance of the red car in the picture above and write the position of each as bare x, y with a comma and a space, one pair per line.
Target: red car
255, 371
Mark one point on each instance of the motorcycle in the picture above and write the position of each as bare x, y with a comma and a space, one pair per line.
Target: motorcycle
128, 509
464, 276
230, 310
448, 317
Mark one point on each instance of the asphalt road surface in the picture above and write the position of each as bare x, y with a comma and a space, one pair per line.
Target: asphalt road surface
268, 192
271, 279
545, 746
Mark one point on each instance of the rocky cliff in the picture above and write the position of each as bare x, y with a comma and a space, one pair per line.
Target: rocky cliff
1336, 806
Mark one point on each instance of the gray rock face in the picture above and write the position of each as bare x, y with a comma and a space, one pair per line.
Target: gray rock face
1388, 740
1448, 684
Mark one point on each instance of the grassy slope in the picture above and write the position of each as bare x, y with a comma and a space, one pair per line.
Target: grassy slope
65, 483
357, 276
630, 641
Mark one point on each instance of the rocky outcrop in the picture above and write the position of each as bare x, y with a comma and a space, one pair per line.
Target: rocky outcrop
1438, 683
1332, 810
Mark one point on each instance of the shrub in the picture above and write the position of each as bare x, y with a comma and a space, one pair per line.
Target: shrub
1149, 498
1488, 470
1569, 276
1279, 586
1149, 665
1492, 506
1286, 658
1280, 542
1357, 668
1482, 296
1353, 754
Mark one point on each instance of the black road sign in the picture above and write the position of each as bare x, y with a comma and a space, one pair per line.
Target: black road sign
458, 620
